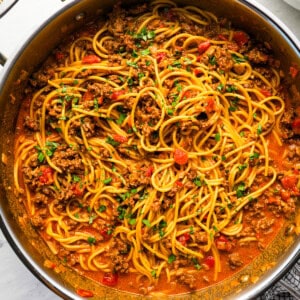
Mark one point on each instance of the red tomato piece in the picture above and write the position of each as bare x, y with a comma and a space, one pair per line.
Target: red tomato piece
160, 56
222, 243
78, 189
119, 138
266, 93
198, 72
149, 171
210, 107
202, 47
183, 239
222, 37
186, 94
59, 56
209, 261
88, 96
296, 123
180, 157
116, 94
240, 37
46, 176
294, 71
105, 235
179, 183
84, 293
285, 195
91, 59
289, 182
110, 279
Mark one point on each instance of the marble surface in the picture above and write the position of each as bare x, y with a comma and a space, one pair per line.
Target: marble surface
16, 282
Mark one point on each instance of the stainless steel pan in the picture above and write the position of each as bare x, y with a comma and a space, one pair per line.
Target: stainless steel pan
247, 15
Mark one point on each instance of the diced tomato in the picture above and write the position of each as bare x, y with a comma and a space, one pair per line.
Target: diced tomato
47, 175
285, 195
222, 37
186, 94
198, 72
105, 234
296, 171
59, 56
149, 171
222, 243
184, 238
91, 59
180, 157
294, 71
296, 123
179, 183
273, 200
160, 56
266, 93
120, 138
110, 279
78, 188
209, 261
88, 96
202, 47
240, 37
289, 182
116, 94
84, 293
210, 107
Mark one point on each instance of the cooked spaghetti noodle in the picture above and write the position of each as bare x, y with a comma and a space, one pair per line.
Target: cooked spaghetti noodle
148, 143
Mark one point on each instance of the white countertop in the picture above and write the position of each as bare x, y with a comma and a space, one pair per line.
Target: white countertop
16, 282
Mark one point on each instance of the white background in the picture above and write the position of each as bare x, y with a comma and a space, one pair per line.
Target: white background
16, 282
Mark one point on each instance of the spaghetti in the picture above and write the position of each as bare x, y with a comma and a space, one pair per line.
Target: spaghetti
143, 150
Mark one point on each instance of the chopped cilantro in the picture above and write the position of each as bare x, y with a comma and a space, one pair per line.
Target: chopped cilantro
238, 59
91, 240
147, 223
102, 208
171, 258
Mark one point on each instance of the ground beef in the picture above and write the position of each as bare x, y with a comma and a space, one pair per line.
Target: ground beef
67, 159
235, 260
186, 278
31, 123
120, 264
